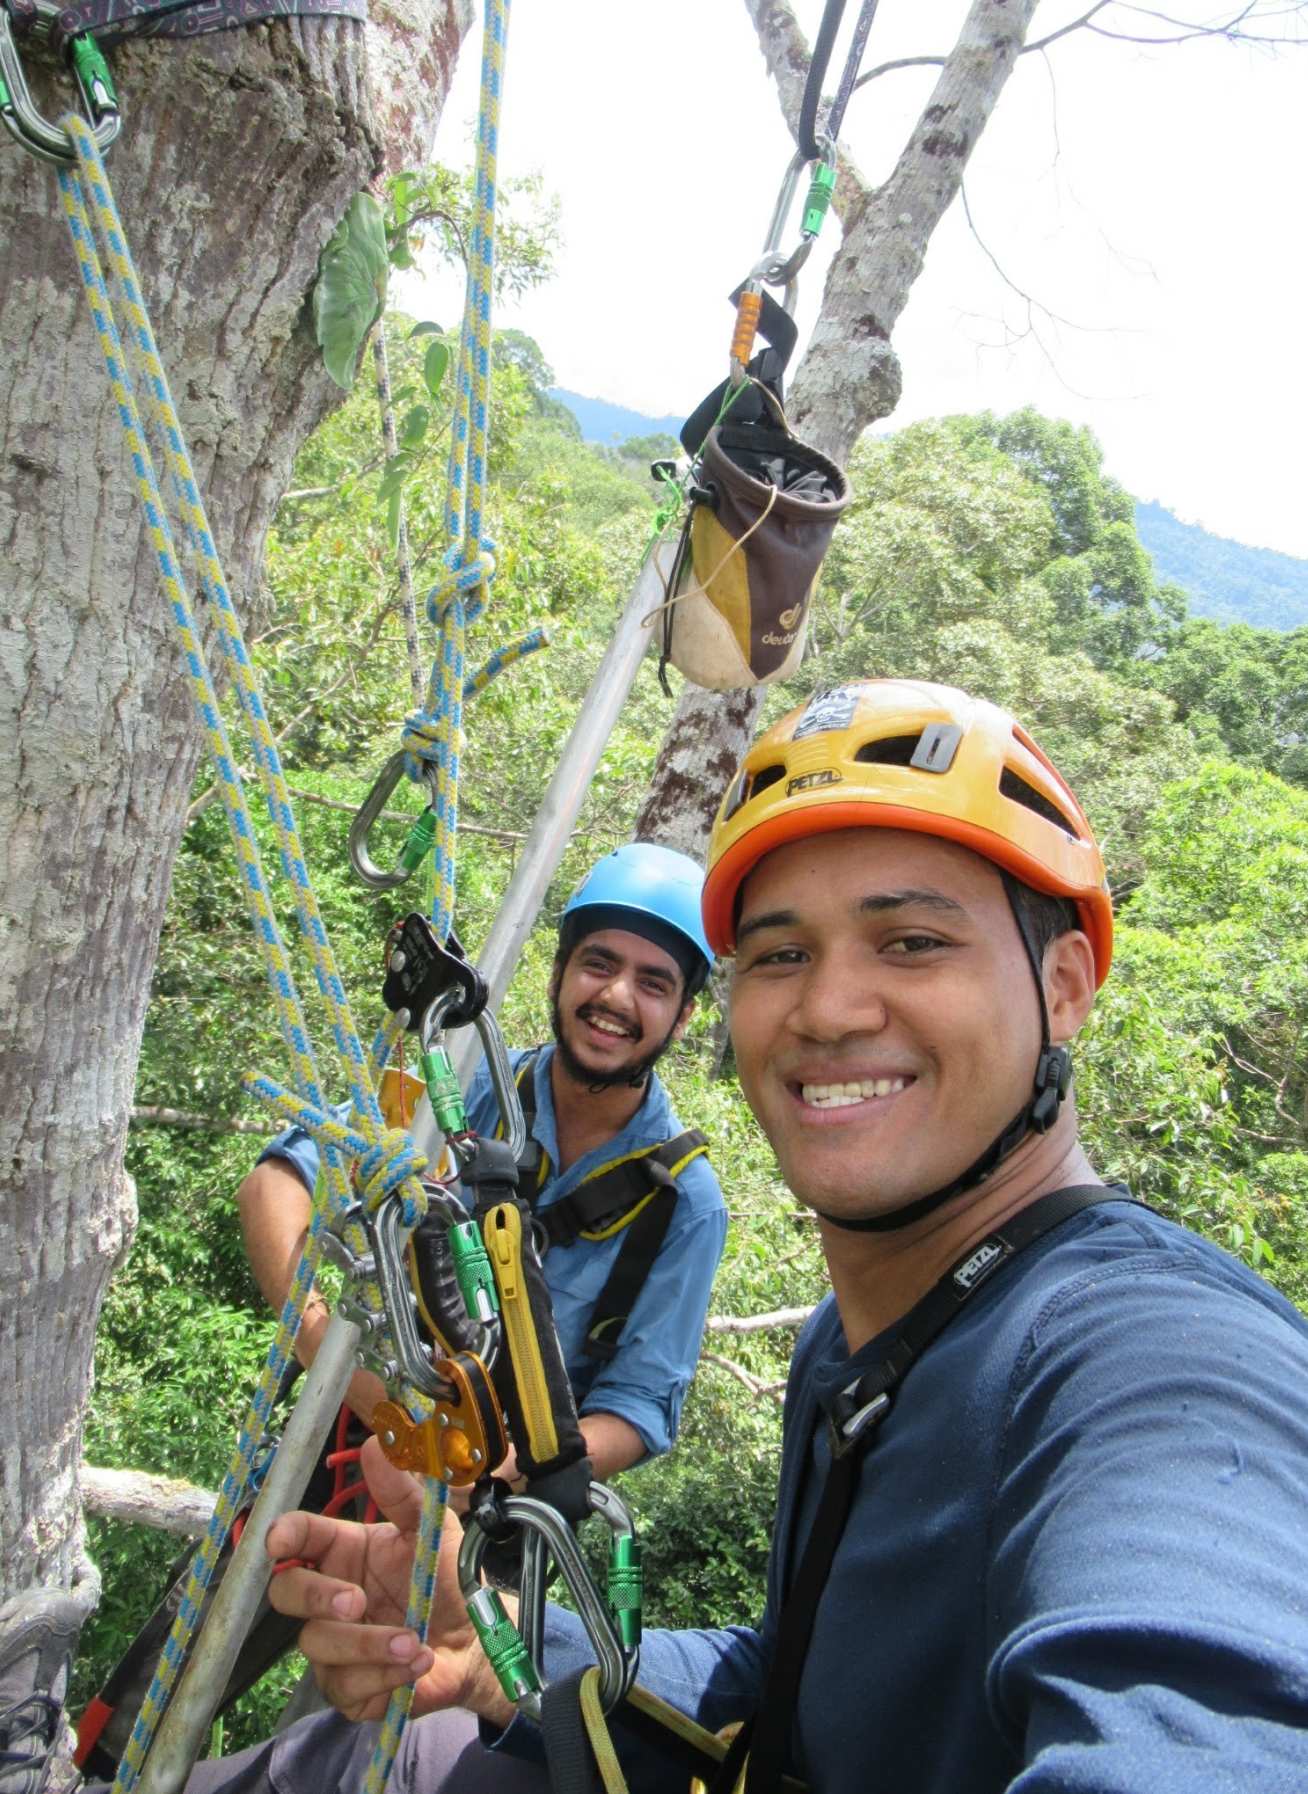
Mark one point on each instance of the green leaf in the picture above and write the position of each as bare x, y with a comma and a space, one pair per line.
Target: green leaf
350, 291
426, 329
434, 364
414, 427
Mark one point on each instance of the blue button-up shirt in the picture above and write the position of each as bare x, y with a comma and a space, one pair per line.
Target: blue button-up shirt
645, 1382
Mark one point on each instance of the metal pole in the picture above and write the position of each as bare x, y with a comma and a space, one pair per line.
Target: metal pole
559, 809
184, 1730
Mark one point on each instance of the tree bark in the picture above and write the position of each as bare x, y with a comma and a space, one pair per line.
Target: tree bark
239, 154
849, 375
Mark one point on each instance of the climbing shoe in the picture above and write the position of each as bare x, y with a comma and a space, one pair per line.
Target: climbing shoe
38, 1635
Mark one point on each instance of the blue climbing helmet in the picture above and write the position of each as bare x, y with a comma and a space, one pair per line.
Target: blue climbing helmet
648, 890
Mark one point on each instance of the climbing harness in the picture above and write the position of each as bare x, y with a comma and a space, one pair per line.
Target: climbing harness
753, 1761
760, 505
635, 1195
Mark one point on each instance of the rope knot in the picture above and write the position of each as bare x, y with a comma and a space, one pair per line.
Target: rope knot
385, 1167
424, 738
460, 578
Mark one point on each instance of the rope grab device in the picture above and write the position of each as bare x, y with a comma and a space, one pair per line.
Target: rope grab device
760, 506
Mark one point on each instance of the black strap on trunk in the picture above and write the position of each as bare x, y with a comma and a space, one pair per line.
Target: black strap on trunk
857, 1413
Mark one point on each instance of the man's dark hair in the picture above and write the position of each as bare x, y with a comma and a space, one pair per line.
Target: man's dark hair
1040, 917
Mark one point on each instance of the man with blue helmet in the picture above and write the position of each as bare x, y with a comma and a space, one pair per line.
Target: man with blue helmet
627, 1200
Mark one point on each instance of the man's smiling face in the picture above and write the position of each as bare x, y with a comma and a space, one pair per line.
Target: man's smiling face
883, 1014
617, 1002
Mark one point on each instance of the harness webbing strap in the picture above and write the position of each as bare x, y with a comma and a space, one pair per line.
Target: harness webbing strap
853, 1426
107, 21
637, 1194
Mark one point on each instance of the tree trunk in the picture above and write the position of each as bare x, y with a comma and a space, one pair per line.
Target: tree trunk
849, 375
239, 154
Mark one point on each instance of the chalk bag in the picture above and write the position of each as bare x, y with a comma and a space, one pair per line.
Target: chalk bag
762, 509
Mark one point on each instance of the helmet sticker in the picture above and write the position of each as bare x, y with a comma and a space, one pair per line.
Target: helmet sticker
831, 709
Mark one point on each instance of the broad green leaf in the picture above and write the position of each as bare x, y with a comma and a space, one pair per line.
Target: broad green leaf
426, 329
434, 364
350, 291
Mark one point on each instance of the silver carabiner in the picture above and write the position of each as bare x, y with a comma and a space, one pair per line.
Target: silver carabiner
368, 812
617, 1663
19, 113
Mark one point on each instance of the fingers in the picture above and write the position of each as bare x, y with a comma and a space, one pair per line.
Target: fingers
306, 1594
359, 1667
397, 1494
316, 1538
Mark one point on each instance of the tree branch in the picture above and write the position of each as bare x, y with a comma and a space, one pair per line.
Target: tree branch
756, 1386
138, 1499
758, 1323
155, 1115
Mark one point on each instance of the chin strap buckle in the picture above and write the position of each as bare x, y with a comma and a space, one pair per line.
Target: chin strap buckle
1053, 1080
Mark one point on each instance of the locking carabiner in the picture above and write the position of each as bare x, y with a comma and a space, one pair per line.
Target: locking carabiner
774, 268
421, 835
18, 111
514, 1650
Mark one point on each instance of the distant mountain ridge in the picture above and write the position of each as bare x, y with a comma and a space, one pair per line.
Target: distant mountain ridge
610, 424
1222, 579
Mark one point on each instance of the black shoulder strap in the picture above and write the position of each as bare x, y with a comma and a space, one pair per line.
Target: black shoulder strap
858, 1413
600, 1204
641, 1245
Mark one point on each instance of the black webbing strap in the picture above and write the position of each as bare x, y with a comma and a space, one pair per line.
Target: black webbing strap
110, 22
780, 333
568, 1753
857, 1413
599, 1203
641, 1245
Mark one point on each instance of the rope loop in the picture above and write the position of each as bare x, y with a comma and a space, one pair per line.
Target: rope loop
385, 1167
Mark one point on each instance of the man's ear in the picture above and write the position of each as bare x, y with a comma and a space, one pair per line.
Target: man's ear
556, 976
1069, 977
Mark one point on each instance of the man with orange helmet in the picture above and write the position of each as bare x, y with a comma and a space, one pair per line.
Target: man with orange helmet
1042, 1521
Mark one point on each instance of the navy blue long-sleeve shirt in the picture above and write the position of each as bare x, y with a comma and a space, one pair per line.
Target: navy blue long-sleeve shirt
1078, 1554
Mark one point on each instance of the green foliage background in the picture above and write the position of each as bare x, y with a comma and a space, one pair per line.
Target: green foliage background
992, 553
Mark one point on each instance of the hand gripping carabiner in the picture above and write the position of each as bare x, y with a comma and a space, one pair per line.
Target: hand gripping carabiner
18, 111
421, 835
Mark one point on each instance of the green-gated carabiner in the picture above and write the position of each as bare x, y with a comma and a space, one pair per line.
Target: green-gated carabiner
416, 847
19, 114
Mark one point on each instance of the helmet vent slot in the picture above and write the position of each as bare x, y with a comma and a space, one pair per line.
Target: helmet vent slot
1014, 787
770, 775
891, 750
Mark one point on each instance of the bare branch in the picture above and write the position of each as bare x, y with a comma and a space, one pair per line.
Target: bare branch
154, 1115
756, 1386
140, 1499
758, 1323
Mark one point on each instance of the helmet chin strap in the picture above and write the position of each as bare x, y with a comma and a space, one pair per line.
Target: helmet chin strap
1052, 1081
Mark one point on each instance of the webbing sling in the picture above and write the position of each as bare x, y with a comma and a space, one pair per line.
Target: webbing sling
859, 1411
110, 21
637, 1193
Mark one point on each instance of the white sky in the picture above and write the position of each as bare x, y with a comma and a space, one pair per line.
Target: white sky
1150, 195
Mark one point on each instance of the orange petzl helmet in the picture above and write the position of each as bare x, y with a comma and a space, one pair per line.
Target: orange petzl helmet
901, 753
